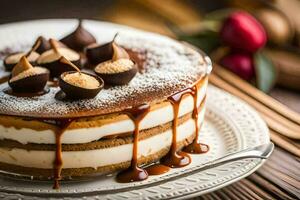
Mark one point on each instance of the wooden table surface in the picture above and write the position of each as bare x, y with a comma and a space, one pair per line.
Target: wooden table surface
278, 178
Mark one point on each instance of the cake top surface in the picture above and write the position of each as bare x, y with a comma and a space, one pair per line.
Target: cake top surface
169, 67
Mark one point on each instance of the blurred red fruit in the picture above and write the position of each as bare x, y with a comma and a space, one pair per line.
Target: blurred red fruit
240, 64
242, 31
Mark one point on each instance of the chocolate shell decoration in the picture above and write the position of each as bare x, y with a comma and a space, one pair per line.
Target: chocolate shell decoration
79, 85
119, 70
32, 55
79, 39
28, 79
51, 59
97, 53
43, 46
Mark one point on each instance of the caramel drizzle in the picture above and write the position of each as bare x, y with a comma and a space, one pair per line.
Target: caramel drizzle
175, 159
195, 147
157, 169
58, 162
134, 172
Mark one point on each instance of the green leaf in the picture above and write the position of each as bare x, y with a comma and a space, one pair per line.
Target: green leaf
265, 72
205, 40
219, 15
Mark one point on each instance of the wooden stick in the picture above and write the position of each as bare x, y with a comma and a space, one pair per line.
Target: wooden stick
284, 178
266, 113
277, 167
292, 169
240, 191
285, 125
267, 186
281, 180
231, 195
206, 197
215, 196
253, 188
257, 94
280, 125
288, 158
285, 143
222, 194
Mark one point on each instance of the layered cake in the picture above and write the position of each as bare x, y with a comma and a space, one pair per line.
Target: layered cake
133, 105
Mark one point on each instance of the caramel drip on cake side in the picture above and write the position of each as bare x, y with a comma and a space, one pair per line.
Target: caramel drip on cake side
195, 147
174, 158
134, 172
58, 162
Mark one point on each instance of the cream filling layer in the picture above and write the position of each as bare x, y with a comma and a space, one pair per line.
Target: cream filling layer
84, 135
99, 157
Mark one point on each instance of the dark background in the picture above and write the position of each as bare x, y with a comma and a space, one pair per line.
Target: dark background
19, 10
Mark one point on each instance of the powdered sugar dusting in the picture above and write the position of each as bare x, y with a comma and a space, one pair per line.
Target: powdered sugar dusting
169, 67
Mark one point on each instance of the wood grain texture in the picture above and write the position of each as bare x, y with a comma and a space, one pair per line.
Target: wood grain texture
274, 120
279, 177
269, 182
259, 96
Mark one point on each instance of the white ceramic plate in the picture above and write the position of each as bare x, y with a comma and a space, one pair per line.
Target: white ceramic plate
230, 126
